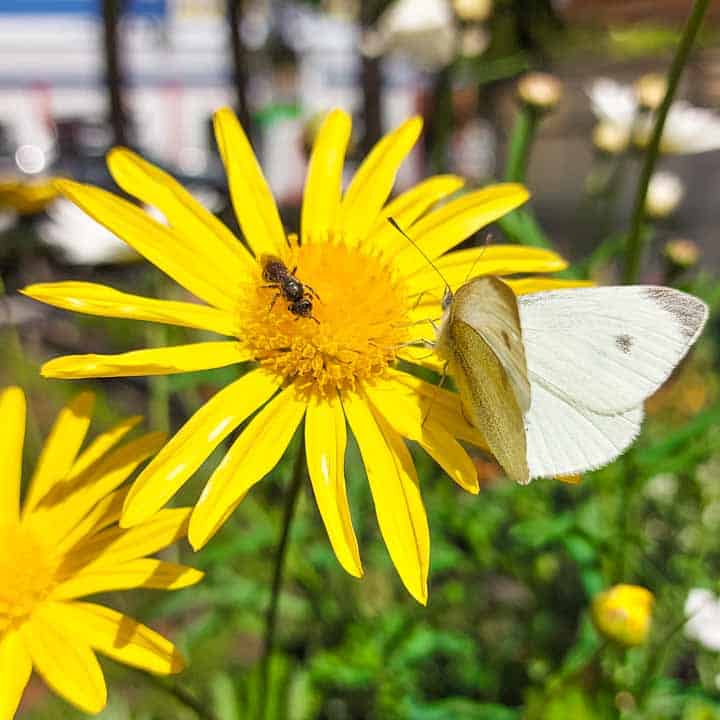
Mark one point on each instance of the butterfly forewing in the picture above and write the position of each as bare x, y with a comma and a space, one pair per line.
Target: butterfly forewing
608, 348
487, 362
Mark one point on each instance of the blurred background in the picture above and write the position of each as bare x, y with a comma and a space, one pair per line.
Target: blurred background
513, 570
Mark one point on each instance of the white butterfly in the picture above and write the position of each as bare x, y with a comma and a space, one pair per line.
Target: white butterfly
572, 367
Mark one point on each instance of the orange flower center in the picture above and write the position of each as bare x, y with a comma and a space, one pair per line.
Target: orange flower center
27, 570
358, 321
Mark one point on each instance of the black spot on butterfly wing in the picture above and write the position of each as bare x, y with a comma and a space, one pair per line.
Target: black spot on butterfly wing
624, 343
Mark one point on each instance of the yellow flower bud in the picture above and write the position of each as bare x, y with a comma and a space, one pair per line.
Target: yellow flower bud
623, 613
610, 138
473, 10
650, 90
682, 252
541, 90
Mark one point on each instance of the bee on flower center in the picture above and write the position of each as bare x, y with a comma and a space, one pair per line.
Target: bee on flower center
297, 295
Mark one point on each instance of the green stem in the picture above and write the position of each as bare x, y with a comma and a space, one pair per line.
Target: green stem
291, 498
521, 141
635, 245
183, 696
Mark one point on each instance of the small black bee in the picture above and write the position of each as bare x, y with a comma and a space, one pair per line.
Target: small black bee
288, 286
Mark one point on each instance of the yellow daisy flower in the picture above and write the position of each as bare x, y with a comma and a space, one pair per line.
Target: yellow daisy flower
372, 293
29, 196
62, 544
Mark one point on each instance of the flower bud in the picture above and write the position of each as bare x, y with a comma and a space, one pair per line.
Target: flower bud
623, 613
665, 193
474, 41
650, 90
540, 90
610, 138
682, 253
473, 10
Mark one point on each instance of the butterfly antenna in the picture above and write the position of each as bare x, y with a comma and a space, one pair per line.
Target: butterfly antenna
393, 222
488, 240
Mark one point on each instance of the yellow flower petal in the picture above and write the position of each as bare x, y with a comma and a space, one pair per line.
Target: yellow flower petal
15, 669
12, 437
374, 179
407, 207
66, 664
445, 406
102, 444
422, 356
142, 572
155, 361
323, 185
119, 637
396, 494
200, 229
154, 241
538, 284
412, 416
70, 501
253, 455
61, 448
194, 442
105, 512
252, 199
460, 266
116, 545
94, 299
449, 225
325, 440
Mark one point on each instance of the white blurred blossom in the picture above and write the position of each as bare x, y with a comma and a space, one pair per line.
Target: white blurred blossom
80, 239
424, 30
688, 129
665, 193
702, 609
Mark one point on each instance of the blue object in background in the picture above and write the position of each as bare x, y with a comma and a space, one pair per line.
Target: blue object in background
146, 8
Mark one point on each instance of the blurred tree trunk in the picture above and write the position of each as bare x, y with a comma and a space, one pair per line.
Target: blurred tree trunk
371, 81
239, 63
112, 10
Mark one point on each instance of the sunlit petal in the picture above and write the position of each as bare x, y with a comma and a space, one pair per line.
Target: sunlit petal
412, 416
442, 229
194, 442
12, 437
15, 669
142, 572
119, 637
325, 440
66, 663
323, 185
396, 494
373, 181
408, 207
61, 448
538, 284
199, 228
253, 455
155, 361
252, 199
151, 239
94, 299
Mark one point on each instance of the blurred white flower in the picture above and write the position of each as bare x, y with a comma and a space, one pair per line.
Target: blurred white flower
688, 129
79, 239
665, 193
541, 90
7, 220
474, 41
424, 30
702, 609
610, 138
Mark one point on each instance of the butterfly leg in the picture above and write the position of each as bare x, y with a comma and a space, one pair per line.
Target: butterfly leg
443, 377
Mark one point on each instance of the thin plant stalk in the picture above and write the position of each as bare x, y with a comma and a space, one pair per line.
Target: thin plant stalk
159, 385
521, 140
635, 242
291, 498
181, 695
